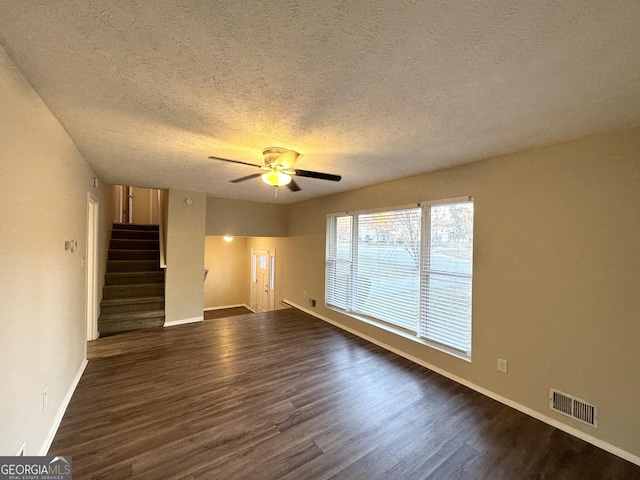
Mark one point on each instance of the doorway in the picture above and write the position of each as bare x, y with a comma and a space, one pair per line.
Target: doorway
136, 205
263, 262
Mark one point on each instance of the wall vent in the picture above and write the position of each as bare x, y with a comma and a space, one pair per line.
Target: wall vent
573, 407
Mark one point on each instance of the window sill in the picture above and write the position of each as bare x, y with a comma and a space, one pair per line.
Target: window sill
403, 333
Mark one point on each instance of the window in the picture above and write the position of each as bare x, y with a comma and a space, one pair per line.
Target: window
254, 265
338, 269
410, 267
447, 274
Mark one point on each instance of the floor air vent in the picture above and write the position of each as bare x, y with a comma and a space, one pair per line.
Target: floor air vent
573, 407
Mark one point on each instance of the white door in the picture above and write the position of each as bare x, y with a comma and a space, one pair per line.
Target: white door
262, 280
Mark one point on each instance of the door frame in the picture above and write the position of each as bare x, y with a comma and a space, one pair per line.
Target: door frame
92, 306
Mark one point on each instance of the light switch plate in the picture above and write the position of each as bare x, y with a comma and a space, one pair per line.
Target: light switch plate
502, 365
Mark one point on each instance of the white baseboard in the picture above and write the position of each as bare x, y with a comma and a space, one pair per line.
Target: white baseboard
226, 306
63, 408
173, 323
499, 398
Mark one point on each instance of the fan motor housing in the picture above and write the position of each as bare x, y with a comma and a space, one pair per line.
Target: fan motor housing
279, 156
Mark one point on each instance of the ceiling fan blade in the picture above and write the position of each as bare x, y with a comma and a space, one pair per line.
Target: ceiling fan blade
248, 177
236, 161
293, 186
318, 175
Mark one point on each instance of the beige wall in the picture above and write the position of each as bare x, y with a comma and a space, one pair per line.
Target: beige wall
228, 279
184, 288
108, 207
43, 202
229, 264
245, 219
556, 274
258, 225
143, 203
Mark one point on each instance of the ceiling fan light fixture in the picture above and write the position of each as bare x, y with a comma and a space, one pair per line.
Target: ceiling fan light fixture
278, 167
276, 178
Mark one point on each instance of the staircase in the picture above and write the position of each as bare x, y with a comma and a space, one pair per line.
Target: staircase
133, 294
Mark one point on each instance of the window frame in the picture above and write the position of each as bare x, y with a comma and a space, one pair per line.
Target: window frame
347, 306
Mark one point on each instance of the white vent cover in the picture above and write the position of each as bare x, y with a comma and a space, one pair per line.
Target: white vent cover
573, 407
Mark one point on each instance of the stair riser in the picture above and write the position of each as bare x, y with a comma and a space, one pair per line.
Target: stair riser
128, 279
133, 266
134, 255
135, 227
129, 291
117, 244
117, 327
134, 235
129, 308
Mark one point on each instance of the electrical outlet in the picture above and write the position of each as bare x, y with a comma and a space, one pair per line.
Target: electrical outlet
45, 398
502, 365
304, 294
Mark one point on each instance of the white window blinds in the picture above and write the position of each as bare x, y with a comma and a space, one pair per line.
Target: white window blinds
447, 275
338, 269
386, 267
408, 267
373, 265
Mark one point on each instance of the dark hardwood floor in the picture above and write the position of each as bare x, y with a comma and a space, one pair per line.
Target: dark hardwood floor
226, 312
282, 395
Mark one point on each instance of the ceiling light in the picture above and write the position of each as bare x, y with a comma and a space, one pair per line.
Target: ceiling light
228, 238
276, 178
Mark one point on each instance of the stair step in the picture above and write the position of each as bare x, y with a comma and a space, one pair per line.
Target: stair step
133, 278
134, 234
135, 226
114, 266
134, 255
131, 304
112, 329
138, 290
133, 294
128, 244
122, 317
131, 321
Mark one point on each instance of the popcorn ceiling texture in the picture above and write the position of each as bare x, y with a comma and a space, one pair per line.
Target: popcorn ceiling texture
371, 90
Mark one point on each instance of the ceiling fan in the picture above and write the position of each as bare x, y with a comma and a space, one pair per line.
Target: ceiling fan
278, 165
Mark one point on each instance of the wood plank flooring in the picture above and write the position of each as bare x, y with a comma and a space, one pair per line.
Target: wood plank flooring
282, 395
226, 312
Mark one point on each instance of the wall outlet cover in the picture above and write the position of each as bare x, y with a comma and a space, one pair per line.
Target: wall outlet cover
502, 365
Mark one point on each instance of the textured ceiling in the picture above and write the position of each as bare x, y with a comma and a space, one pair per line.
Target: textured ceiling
371, 90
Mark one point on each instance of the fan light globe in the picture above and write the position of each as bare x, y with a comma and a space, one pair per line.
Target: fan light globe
276, 179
